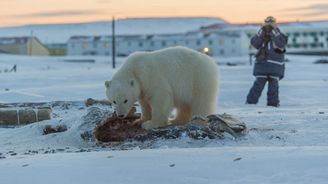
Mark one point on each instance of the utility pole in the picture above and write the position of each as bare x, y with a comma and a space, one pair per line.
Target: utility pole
113, 44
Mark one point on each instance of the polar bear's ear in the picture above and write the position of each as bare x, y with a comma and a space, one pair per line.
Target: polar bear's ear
132, 82
107, 83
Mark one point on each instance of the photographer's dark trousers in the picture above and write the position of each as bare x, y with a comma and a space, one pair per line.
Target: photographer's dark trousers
257, 88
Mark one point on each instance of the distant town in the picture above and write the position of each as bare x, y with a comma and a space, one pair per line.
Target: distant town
219, 39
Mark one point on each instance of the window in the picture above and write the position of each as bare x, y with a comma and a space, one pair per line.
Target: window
187, 42
296, 34
313, 34
84, 45
106, 45
163, 43
316, 39
94, 45
198, 42
152, 43
233, 41
305, 34
140, 44
296, 45
210, 42
221, 42
294, 40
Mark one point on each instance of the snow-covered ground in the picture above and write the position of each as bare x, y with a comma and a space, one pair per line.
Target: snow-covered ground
203, 165
284, 145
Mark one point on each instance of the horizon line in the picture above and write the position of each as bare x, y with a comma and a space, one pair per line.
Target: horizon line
161, 17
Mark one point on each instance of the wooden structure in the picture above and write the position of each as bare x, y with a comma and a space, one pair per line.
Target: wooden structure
23, 116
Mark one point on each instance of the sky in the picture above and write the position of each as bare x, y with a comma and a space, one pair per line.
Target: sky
22, 12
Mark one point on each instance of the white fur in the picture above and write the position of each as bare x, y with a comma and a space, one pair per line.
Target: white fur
162, 80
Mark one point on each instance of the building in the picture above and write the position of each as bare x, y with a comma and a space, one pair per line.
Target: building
23, 46
303, 37
307, 38
216, 44
222, 40
57, 49
89, 45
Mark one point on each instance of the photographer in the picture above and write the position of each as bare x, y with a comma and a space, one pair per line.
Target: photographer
269, 66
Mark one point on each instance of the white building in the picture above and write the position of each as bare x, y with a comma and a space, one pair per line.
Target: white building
303, 38
89, 45
217, 44
307, 38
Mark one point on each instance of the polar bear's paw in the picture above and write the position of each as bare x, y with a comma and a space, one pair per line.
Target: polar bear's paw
151, 125
138, 122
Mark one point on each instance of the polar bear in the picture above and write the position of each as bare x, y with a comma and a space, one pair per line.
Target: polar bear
161, 81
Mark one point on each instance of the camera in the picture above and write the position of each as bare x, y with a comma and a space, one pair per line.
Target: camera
267, 28
267, 31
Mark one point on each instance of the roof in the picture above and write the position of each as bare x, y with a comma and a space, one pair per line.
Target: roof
296, 25
13, 40
154, 37
90, 38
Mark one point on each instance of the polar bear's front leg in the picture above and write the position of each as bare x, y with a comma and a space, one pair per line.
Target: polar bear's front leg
161, 105
146, 112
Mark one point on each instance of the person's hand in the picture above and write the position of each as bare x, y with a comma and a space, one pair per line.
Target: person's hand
267, 28
265, 25
275, 30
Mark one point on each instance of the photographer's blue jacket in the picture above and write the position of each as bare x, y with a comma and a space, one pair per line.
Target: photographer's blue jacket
273, 65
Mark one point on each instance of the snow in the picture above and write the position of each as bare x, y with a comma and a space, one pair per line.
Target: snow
206, 165
284, 145
50, 79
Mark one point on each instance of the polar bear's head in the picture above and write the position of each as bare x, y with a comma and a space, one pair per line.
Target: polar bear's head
122, 94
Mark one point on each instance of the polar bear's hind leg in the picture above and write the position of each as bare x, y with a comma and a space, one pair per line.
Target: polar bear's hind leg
184, 115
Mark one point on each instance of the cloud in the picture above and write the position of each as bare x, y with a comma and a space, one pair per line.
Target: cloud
63, 13
311, 10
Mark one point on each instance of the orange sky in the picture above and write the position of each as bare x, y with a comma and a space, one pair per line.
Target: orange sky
20, 12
